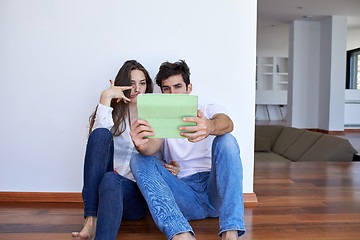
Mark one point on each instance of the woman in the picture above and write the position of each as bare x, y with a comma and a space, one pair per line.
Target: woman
109, 191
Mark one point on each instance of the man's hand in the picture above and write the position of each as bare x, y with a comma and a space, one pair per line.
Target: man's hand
138, 130
218, 125
203, 128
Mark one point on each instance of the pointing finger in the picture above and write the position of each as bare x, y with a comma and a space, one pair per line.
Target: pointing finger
126, 87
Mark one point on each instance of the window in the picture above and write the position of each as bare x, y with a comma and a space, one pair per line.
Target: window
353, 69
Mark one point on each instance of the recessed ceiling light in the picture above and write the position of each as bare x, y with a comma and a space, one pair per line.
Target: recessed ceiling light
299, 7
307, 17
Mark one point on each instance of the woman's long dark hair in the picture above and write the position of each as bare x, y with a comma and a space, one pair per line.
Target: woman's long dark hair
120, 109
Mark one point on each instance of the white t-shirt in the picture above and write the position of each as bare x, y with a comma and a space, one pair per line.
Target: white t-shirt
192, 157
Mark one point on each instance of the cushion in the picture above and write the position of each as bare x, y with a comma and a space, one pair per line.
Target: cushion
286, 138
269, 157
269, 131
329, 148
262, 144
301, 145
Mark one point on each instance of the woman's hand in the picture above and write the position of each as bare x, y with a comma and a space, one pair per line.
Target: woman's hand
139, 130
114, 92
173, 167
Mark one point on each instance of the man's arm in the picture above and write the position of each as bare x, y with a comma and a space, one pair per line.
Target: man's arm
146, 146
223, 124
219, 124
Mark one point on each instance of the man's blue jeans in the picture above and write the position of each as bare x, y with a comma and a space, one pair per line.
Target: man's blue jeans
106, 194
218, 193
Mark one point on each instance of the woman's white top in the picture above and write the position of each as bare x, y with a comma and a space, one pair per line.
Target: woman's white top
124, 147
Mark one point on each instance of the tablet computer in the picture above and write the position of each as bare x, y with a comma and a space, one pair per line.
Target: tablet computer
164, 112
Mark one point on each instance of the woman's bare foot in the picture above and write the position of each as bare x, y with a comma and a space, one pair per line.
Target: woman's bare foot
88, 232
230, 235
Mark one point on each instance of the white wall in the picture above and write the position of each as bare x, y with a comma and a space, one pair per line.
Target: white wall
332, 73
352, 97
303, 85
273, 41
353, 39
325, 76
57, 56
338, 72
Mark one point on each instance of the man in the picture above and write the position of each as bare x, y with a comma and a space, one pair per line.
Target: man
209, 183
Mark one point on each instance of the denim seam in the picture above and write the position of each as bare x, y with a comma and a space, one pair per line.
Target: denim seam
217, 181
200, 193
107, 156
106, 162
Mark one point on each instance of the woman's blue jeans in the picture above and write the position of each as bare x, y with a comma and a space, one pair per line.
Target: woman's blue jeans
218, 193
106, 194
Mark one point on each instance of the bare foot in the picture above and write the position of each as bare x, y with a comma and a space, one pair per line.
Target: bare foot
230, 235
183, 236
88, 232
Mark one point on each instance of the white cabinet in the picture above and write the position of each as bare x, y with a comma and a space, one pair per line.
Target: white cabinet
271, 87
271, 73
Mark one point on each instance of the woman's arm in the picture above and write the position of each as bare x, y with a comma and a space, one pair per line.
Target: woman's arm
102, 117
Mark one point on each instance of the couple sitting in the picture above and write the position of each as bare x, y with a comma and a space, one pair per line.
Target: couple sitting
202, 176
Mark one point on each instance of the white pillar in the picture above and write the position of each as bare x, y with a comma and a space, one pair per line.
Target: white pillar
317, 66
332, 73
303, 88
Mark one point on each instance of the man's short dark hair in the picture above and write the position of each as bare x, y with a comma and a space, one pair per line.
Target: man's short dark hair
168, 69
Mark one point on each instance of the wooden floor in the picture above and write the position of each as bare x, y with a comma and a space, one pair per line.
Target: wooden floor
306, 200
295, 201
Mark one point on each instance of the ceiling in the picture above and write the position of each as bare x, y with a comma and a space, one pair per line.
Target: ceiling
278, 12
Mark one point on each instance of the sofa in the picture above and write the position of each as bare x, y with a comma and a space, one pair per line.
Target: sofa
288, 144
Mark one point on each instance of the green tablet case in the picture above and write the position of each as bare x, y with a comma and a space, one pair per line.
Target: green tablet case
164, 112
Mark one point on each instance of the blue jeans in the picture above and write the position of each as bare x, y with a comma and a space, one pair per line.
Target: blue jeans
218, 193
119, 197
106, 194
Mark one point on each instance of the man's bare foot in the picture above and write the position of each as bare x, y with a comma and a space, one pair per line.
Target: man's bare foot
183, 236
230, 235
88, 232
